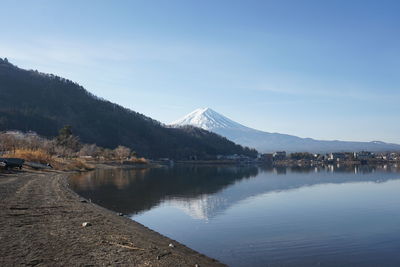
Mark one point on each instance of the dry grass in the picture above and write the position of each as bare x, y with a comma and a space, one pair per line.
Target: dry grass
79, 165
139, 160
71, 164
63, 164
38, 155
43, 157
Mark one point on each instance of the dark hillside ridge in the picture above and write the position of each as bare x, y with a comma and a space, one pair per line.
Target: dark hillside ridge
33, 101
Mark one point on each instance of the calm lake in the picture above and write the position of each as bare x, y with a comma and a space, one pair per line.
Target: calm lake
263, 216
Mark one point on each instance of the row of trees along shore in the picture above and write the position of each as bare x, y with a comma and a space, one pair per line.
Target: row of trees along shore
66, 146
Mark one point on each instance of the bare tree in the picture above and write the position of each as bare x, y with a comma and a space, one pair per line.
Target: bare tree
122, 152
89, 150
8, 142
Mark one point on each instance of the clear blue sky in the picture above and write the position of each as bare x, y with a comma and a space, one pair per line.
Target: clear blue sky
321, 69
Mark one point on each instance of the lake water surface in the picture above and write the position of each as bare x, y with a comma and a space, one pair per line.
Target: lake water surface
263, 216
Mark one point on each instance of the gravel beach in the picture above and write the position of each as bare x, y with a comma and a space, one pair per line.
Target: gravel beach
42, 224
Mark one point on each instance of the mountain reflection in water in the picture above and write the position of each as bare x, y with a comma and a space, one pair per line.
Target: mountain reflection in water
259, 216
195, 188
132, 191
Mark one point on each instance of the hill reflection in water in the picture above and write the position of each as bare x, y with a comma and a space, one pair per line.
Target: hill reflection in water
205, 191
263, 216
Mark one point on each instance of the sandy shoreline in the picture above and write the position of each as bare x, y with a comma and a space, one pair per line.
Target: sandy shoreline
41, 224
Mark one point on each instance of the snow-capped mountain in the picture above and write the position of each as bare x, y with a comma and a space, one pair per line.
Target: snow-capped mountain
211, 120
208, 119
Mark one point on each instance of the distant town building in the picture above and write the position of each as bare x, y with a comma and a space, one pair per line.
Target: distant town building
279, 155
337, 156
363, 155
233, 157
381, 156
266, 158
394, 156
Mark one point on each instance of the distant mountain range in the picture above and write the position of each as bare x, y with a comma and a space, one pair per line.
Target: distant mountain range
44, 103
213, 121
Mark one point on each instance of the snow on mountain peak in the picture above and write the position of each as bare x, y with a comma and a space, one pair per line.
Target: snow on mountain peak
207, 119
266, 142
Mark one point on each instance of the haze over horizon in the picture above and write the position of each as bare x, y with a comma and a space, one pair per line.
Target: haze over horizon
322, 70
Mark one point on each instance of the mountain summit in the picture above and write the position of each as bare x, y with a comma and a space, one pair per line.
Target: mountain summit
210, 120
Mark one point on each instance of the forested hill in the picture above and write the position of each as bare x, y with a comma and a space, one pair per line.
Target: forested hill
44, 103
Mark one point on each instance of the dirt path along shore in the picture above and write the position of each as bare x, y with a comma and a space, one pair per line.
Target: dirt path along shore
41, 224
